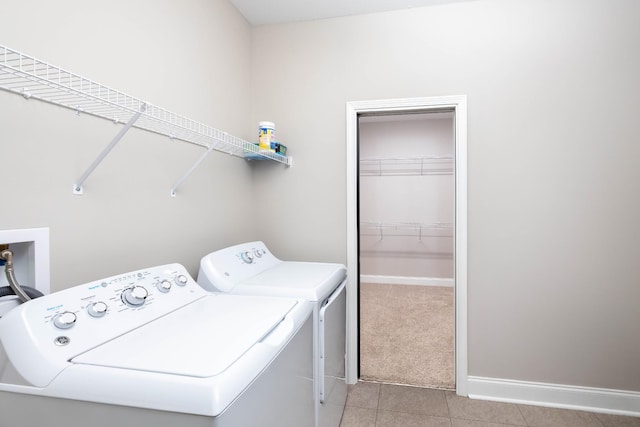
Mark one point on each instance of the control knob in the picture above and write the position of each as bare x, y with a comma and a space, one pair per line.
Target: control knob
247, 257
97, 309
164, 286
181, 280
64, 320
135, 296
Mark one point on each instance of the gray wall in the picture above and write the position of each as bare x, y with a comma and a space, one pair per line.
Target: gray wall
553, 105
553, 101
191, 57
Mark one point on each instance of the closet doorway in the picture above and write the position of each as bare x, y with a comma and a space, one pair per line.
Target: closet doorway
425, 250
406, 206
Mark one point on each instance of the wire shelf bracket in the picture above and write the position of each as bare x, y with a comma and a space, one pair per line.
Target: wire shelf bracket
190, 171
32, 78
77, 187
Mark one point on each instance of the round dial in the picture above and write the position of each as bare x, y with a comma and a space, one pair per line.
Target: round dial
134, 296
97, 309
259, 252
164, 286
247, 257
181, 280
64, 320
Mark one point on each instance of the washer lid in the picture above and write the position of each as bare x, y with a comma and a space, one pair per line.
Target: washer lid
201, 339
312, 281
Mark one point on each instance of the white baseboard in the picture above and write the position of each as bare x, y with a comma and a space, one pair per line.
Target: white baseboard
403, 280
590, 399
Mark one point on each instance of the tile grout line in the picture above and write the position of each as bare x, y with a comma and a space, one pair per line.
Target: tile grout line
375, 419
446, 401
600, 420
522, 414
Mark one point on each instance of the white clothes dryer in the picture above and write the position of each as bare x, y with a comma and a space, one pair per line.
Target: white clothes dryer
152, 348
251, 269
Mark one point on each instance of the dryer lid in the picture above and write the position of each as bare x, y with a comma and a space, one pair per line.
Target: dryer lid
312, 281
201, 339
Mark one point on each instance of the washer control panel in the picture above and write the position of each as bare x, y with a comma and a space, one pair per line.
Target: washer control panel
64, 324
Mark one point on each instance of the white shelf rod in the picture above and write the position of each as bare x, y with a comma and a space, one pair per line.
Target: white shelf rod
77, 187
190, 171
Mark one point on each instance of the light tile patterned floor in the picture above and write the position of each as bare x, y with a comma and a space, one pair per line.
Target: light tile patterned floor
384, 405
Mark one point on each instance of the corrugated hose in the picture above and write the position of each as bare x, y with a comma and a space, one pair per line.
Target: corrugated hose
25, 293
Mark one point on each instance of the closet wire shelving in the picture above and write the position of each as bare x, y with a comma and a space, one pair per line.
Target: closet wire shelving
406, 229
32, 78
406, 166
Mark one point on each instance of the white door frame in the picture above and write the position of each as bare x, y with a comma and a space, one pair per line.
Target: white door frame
459, 105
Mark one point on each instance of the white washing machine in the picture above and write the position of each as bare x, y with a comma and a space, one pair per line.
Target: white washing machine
152, 348
251, 269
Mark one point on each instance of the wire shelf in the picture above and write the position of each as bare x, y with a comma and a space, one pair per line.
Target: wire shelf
32, 78
406, 166
406, 229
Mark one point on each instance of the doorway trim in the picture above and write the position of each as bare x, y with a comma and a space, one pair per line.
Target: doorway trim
458, 103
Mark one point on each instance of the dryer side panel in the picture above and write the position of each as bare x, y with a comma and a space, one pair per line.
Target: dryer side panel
332, 334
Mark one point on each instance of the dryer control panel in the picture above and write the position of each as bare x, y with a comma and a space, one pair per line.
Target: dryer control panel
223, 269
57, 327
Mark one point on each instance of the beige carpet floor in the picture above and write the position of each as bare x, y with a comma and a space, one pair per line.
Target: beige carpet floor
407, 335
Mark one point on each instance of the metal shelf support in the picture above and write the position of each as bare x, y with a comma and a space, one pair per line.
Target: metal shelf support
190, 171
77, 187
